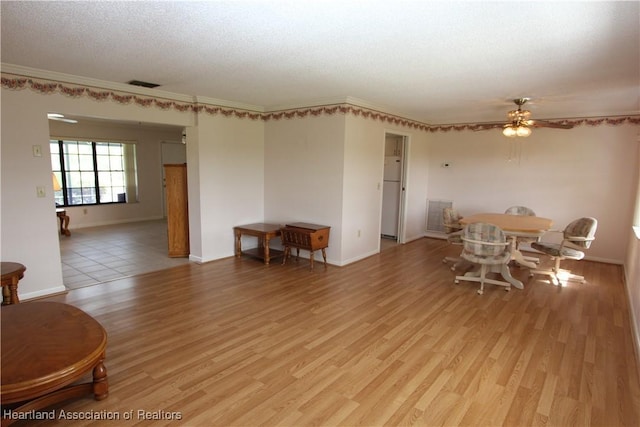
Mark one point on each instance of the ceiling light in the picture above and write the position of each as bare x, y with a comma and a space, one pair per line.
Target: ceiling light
523, 131
512, 131
509, 131
60, 117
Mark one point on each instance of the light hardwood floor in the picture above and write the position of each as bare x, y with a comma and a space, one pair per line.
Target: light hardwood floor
389, 340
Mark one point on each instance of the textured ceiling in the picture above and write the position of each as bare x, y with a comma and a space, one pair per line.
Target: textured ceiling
437, 62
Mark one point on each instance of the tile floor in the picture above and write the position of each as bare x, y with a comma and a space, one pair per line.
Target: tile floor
100, 254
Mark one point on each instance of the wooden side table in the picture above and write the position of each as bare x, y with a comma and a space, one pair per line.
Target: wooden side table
46, 348
12, 272
264, 233
64, 221
301, 235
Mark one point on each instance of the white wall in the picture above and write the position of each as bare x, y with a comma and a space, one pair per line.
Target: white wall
632, 265
225, 163
304, 168
560, 174
363, 179
329, 169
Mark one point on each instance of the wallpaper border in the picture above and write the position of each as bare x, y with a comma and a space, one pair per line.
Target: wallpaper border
49, 87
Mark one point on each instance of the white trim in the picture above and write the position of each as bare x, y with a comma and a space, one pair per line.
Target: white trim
358, 258
42, 293
111, 222
197, 259
231, 104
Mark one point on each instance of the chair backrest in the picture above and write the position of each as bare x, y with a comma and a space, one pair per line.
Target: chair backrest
451, 220
520, 210
481, 233
581, 232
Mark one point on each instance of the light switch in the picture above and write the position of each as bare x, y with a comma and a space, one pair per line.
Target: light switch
37, 151
40, 191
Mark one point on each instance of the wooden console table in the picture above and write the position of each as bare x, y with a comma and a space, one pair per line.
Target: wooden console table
12, 272
301, 235
46, 348
264, 233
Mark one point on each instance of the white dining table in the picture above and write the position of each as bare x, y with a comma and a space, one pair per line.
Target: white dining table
514, 226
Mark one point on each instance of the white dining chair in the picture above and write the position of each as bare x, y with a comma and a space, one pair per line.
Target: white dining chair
577, 236
486, 245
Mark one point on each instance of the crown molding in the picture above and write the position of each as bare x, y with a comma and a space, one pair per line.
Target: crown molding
349, 100
230, 104
86, 81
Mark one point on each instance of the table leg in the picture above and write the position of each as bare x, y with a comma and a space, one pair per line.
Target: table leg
100, 383
518, 257
6, 295
238, 236
506, 275
10, 293
266, 249
64, 224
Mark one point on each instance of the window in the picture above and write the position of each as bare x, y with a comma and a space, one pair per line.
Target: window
92, 173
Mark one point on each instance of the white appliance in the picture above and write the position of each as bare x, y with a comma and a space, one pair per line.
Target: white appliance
391, 196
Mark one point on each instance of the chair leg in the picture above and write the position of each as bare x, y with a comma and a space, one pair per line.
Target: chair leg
556, 274
483, 273
457, 262
481, 276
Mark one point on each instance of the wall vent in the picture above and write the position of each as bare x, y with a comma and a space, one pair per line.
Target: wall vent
434, 214
143, 84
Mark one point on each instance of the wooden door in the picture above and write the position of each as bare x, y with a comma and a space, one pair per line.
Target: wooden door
177, 209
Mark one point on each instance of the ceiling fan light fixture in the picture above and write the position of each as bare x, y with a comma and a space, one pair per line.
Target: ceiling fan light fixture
509, 131
523, 131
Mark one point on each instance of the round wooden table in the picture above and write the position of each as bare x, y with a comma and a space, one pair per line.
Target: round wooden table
12, 272
47, 347
523, 225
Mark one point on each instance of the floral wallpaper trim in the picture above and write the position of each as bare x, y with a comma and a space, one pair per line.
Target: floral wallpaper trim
97, 94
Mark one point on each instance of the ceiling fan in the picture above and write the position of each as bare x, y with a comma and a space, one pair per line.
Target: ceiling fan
60, 118
520, 124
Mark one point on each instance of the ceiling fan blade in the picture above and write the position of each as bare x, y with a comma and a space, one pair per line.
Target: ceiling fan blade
544, 124
487, 126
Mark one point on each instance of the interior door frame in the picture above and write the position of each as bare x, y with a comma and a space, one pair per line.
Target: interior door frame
400, 236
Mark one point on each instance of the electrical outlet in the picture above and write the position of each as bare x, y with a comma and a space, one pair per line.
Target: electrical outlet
40, 191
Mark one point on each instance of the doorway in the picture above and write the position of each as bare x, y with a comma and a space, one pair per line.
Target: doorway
393, 190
